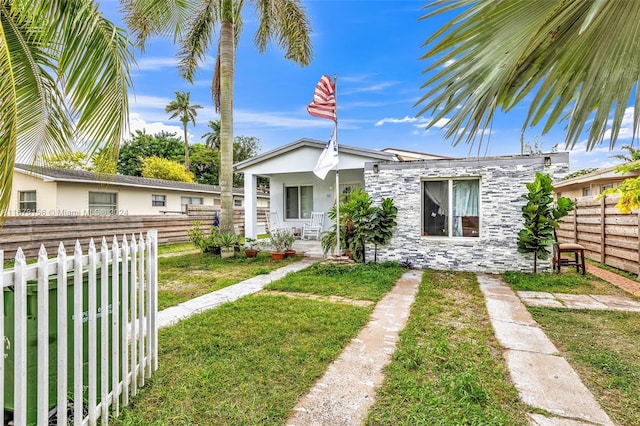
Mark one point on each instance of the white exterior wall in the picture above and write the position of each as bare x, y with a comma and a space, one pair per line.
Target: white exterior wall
502, 182
324, 192
56, 198
46, 193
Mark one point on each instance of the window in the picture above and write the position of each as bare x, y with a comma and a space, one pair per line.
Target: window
606, 186
586, 191
451, 208
237, 203
189, 200
298, 202
159, 200
103, 203
27, 201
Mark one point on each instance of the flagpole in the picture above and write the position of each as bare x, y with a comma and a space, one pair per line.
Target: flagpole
335, 82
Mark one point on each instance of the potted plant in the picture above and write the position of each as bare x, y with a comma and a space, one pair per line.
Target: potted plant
278, 241
227, 241
251, 248
289, 239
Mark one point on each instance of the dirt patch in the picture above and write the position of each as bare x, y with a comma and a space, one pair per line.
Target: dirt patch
334, 299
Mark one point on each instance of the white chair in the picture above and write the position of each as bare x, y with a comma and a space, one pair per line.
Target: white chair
313, 228
274, 224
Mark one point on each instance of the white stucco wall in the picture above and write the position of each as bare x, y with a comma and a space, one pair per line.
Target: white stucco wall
46, 193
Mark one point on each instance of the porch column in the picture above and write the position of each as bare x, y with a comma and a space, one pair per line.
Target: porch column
250, 206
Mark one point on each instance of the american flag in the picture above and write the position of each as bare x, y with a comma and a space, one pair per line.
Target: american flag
323, 104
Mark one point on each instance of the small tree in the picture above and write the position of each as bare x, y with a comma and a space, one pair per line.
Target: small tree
541, 218
361, 223
161, 168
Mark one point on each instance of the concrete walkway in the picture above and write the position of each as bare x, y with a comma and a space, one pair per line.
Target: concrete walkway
543, 379
348, 388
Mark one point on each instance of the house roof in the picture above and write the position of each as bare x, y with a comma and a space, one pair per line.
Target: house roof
408, 155
314, 143
83, 176
606, 174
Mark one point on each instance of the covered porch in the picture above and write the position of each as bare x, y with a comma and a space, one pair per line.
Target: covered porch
295, 192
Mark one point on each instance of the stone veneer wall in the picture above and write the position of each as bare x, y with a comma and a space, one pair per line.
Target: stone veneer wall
502, 182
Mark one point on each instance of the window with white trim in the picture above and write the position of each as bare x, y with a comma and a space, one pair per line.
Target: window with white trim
158, 200
27, 202
103, 203
298, 202
451, 208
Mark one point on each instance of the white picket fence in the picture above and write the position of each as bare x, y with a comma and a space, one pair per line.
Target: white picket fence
75, 360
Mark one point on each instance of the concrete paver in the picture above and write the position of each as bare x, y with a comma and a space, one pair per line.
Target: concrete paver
348, 388
543, 379
580, 301
550, 383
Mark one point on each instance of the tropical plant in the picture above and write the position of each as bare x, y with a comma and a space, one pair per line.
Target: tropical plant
251, 244
78, 160
541, 218
628, 190
278, 239
64, 77
204, 163
212, 138
182, 108
496, 54
283, 21
161, 168
633, 154
580, 172
360, 223
196, 234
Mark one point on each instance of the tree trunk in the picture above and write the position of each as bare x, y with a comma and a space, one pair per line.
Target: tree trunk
227, 52
186, 150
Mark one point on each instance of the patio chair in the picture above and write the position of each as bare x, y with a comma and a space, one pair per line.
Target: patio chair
274, 224
313, 228
560, 248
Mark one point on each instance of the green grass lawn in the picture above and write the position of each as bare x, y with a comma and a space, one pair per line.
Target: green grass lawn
181, 278
566, 282
448, 368
248, 362
362, 282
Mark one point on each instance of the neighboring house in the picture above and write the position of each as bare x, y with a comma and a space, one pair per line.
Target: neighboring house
460, 214
48, 191
591, 184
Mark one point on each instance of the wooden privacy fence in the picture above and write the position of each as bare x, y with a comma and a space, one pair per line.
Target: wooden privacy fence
80, 332
608, 236
30, 232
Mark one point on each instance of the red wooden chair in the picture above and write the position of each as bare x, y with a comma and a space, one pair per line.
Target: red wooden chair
559, 260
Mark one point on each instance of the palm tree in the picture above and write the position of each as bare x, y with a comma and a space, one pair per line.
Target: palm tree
181, 107
64, 75
282, 21
212, 138
575, 60
633, 154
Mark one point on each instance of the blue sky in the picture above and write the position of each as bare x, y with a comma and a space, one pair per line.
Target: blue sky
374, 49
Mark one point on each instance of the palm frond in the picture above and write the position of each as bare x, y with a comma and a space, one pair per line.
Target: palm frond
167, 18
286, 23
197, 40
578, 61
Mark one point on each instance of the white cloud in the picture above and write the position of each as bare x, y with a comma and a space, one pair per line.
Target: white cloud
156, 63
136, 122
406, 119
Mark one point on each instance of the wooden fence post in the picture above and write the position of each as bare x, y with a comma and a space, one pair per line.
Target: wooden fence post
638, 243
575, 221
603, 244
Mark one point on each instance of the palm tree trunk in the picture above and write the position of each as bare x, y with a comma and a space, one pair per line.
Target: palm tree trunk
186, 150
226, 124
